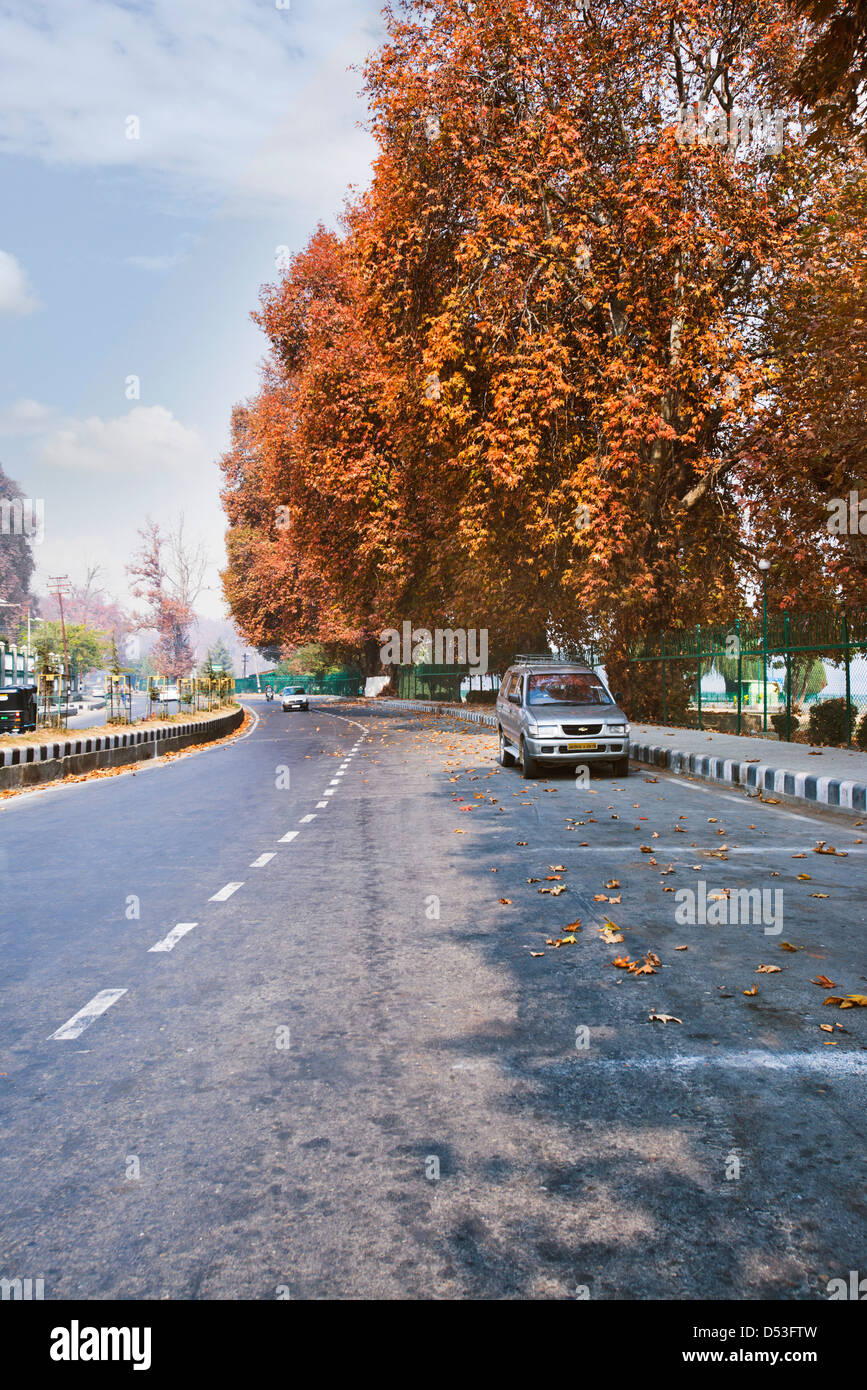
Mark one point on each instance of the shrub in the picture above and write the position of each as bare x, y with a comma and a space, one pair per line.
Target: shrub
779, 723
828, 721
861, 734
481, 697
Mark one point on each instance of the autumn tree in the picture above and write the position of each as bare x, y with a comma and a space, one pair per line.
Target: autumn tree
531, 384
16, 559
171, 617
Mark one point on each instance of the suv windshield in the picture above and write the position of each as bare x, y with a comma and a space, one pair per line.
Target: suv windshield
566, 688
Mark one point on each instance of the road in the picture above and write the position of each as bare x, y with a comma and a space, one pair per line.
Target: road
351, 1071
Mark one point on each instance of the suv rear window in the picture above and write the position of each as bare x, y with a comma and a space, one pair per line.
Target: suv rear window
566, 688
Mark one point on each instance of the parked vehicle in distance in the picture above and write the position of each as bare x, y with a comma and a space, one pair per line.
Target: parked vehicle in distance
170, 694
555, 712
294, 697
17, 708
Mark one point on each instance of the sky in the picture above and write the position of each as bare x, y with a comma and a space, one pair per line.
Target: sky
156, 159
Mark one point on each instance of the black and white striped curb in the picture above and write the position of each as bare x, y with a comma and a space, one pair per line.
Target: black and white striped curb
32, 763
833, 792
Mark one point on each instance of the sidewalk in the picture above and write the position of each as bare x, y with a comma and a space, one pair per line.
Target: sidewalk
834, 777
831, 777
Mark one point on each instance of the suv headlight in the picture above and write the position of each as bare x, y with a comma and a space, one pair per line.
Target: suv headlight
617, 728
544, 730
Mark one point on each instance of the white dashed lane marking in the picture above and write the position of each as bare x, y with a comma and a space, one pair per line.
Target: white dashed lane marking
334, 782
225, 893
75, 1026
290, 835
305, 820
320, 804
174, 936
262, 860
329, 791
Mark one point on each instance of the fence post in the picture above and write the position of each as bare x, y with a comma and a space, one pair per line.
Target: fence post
698, 656
740, 670
788, 678
664, 685
847, 657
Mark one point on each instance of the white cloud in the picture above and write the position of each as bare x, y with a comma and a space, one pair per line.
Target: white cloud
147, 440
16, 295
209, 82
25, 417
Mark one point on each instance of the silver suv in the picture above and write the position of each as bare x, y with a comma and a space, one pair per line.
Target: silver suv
552, 711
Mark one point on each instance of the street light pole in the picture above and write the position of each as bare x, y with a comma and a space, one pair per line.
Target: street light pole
764, 566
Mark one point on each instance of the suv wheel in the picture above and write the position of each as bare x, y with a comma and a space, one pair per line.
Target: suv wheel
621, 767
530, 767
506, 758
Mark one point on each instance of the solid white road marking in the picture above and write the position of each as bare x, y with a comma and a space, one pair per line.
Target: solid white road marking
305, 820
679, 852
174, 936
824, 1061
262, 860
76, 1025
290, 835
225, 893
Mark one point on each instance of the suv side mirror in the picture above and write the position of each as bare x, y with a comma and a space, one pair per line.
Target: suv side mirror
514, 699
618, 696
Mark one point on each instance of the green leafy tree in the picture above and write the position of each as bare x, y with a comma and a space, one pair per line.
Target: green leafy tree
85, 648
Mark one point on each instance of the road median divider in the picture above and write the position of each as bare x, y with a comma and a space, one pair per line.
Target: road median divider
30, 764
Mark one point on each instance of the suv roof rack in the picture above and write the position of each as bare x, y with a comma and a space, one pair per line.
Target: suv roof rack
547, 659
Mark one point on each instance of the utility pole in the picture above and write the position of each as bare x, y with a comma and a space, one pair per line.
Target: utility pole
59, 585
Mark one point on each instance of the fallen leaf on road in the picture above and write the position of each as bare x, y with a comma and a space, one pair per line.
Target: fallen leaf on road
459, 832
664, 1018
610, 935
537, 954
507, 902
520, 842
787, 946
623, 962
820, 895
804, 877
534, 880
612, 883
557, 868
754, 990
823, 982
555, 892
645, 849
768, 970
681, 948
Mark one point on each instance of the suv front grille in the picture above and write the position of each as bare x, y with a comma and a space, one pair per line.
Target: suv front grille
581, 728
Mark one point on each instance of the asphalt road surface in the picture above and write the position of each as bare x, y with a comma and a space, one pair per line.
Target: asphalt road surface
319, 1058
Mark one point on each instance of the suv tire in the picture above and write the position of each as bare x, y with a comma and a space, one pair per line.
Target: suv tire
530, 767
621, 767
505, 758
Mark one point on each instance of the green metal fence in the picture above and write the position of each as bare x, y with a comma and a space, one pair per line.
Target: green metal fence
801, 675
429, 682
348, 681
